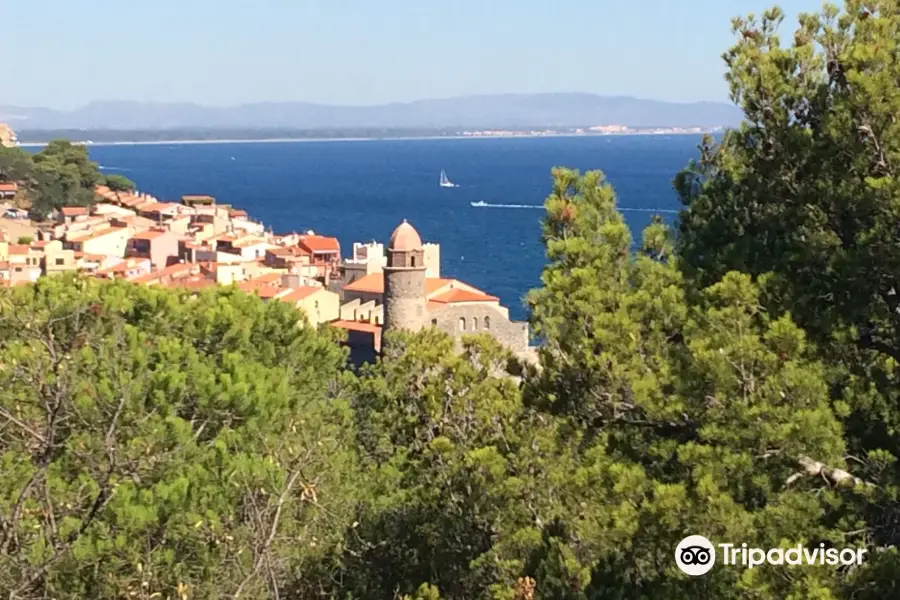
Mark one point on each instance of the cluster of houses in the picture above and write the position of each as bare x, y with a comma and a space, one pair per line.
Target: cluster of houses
197, 243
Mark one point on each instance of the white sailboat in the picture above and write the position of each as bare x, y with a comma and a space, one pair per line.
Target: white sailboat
445, 182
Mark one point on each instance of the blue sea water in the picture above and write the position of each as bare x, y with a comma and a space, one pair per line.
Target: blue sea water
361, 190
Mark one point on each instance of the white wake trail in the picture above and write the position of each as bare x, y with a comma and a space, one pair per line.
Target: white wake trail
540, 206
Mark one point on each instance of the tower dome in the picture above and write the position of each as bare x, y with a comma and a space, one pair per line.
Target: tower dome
405, 238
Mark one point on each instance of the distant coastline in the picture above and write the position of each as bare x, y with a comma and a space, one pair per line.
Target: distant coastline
26, 138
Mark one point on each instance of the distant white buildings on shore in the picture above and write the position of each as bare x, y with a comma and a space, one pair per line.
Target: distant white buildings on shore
594, 130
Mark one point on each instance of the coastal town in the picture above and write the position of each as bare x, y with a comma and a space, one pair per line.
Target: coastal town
587, 131
196, 243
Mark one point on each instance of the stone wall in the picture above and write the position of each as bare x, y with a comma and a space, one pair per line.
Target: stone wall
404, 299
482, 318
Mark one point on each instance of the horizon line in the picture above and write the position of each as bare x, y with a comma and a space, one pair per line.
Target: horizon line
371, 105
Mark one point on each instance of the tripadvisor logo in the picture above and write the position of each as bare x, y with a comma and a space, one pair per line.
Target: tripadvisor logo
696, 555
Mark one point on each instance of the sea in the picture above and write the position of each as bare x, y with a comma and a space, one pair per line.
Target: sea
359, 191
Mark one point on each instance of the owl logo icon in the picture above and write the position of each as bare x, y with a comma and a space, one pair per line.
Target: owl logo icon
695, 555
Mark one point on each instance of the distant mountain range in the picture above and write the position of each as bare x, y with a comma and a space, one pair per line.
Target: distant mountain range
468, 112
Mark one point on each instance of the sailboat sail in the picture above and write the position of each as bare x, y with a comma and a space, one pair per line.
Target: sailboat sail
445, 181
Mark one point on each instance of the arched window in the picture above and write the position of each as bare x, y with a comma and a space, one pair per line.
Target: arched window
376, 320
412, 260
474, 323
462, 323
487, 322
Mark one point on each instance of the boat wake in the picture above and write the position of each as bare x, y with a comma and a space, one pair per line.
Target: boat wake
667, 211
105, 168
486, 205
540, 206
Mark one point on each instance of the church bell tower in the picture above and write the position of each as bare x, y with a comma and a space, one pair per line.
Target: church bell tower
404, 281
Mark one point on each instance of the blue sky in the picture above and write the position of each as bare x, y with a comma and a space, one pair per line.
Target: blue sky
65, 53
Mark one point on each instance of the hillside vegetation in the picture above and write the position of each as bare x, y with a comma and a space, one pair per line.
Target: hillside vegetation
61, 174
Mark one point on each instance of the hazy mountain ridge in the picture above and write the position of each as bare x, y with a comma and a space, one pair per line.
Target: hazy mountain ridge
491, 111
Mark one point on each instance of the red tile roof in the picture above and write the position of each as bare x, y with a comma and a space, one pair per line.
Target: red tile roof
131, 201
183, 269
10, 186
95, 234
433, 284
123, 266
319, 243
455, 295
372, 283
192, 282
148, 235
288, 251
74, 211
266, 279
263, 291
158, 207
300, 293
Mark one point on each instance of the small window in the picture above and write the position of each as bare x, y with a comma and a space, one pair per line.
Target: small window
462, 323
316, 303
474, 323
376, 321
434, 322
487, 322
412, 261
60, 261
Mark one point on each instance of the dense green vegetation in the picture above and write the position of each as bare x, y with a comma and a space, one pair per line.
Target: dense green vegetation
738, 380
62, 174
